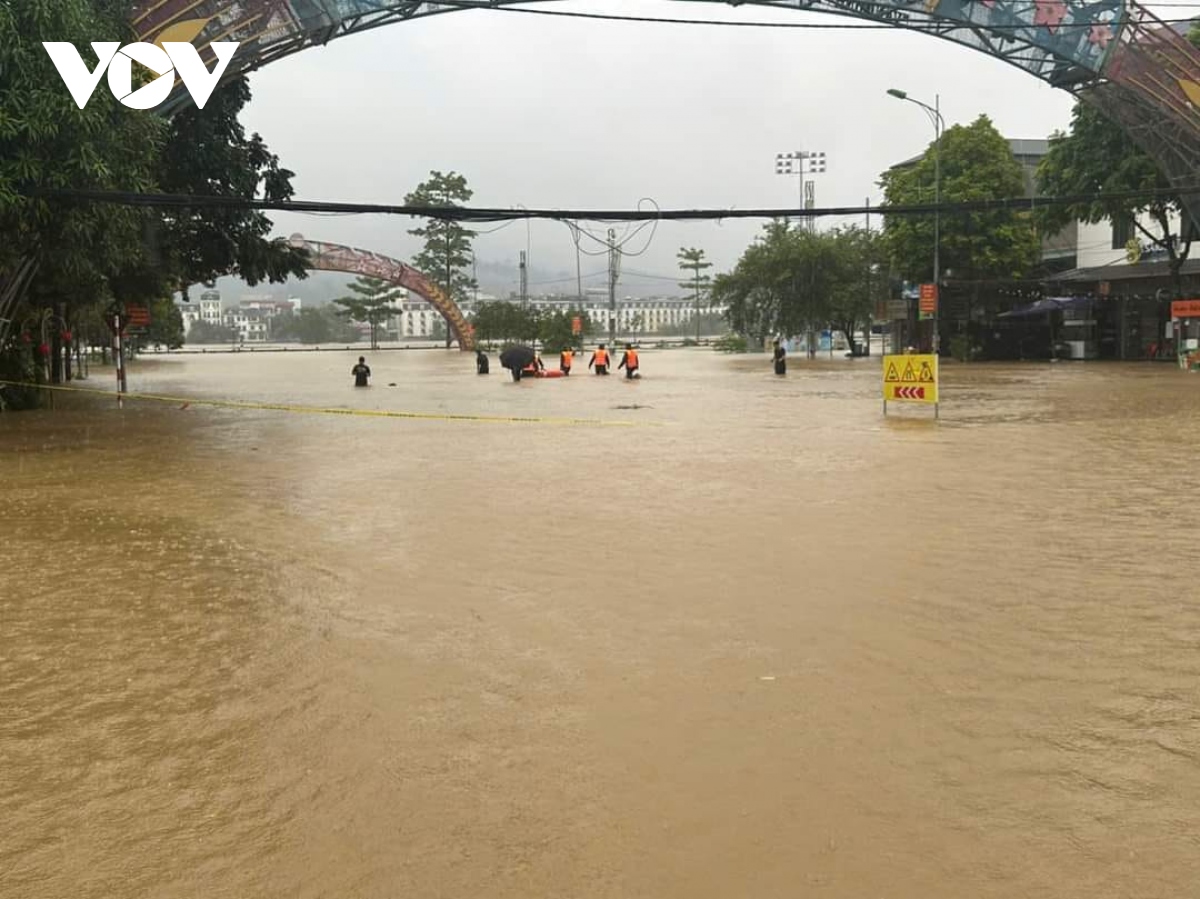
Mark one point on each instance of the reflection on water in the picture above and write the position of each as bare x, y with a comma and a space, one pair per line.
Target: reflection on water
774, 644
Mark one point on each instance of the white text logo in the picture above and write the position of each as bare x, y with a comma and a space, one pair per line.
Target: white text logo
164, 61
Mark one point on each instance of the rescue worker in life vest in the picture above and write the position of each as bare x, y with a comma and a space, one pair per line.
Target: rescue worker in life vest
600, 360
629, 362
564, 360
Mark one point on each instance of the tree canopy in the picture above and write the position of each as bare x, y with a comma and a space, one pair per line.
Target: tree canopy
792, 280
447, 252
1096, 156
48, 142
61, 252
372, 303
976, 164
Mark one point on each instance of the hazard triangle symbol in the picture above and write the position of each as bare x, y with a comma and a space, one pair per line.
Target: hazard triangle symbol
892, 374
909, 373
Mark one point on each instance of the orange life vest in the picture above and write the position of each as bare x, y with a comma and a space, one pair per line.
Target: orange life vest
602, 357
631, 359
565, 358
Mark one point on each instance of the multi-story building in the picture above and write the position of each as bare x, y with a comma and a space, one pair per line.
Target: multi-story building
250, 324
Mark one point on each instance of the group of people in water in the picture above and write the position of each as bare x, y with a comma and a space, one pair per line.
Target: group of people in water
600, 363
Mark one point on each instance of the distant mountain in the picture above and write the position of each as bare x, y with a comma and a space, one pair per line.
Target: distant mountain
495, 278
317, 289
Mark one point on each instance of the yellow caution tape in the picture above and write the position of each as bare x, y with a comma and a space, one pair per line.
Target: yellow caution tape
324, 410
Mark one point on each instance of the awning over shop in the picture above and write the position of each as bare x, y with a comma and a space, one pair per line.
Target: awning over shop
1045, 306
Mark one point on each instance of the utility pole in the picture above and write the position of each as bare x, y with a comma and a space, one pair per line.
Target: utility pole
524, 282
614, 270
449, 284
870, 294
578, 273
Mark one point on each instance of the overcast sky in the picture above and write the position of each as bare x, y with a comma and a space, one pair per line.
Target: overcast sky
553, 112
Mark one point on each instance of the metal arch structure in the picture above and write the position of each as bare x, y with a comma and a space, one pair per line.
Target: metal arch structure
332, 257
1141, 73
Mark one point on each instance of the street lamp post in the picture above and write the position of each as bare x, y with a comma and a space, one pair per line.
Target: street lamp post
802, 162
939, 125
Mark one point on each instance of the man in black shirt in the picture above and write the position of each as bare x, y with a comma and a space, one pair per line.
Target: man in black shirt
361, 372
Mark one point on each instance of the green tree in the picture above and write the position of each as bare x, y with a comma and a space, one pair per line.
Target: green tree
208, 153
446, 258
781, 285
206, 332
372, 305
65, 249
976, 164
555, 329
860, 280
503, 320
166, 325
699, 283
1097, 157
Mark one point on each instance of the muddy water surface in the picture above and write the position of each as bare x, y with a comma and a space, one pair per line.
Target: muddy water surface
764, 643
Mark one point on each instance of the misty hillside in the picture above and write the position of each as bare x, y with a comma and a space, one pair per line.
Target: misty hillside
495, 278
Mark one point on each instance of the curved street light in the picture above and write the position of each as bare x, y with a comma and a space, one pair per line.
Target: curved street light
939, 125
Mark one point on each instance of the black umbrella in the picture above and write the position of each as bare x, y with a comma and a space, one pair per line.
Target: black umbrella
516, 356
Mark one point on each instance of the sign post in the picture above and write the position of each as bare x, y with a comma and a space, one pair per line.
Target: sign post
117, 324
911, 379
929, 300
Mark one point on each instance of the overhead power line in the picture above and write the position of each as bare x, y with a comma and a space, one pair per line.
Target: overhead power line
485, 214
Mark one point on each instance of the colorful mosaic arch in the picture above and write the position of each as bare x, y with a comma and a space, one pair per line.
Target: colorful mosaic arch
332, 257
1142, 73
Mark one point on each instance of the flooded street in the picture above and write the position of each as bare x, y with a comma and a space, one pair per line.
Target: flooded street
760, 642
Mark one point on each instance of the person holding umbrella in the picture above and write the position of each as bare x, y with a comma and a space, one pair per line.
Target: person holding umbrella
517, 357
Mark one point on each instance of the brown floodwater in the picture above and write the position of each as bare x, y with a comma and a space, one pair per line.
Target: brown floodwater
765, 643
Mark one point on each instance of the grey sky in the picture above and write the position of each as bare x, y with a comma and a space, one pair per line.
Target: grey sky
554, 112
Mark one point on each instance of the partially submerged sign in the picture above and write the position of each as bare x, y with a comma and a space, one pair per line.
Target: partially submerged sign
910, 378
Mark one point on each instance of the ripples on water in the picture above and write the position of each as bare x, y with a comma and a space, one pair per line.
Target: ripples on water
772, 645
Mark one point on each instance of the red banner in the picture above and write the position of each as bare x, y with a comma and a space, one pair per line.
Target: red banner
929, 298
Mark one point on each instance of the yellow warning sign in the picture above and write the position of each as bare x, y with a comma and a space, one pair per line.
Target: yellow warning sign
910, 379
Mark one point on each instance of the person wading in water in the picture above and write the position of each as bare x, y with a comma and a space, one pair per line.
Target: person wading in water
361, 373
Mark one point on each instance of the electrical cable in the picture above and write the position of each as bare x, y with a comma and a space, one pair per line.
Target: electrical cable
573, 216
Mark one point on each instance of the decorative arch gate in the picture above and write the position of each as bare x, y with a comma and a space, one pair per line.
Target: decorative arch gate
1140, 72
332, 257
